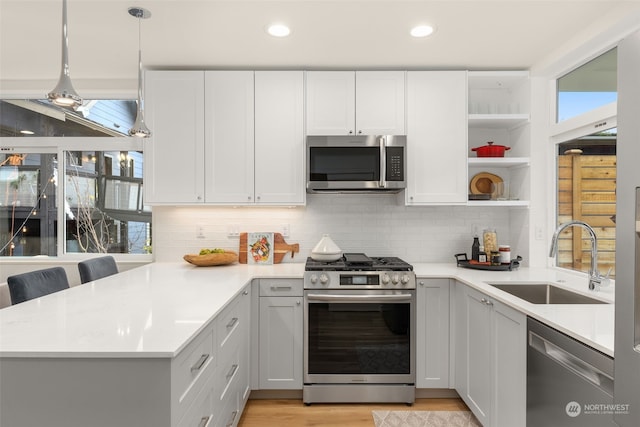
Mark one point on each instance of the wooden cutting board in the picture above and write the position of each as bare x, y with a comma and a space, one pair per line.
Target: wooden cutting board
281, 248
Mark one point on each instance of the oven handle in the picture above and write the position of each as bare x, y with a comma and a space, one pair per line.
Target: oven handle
360, 298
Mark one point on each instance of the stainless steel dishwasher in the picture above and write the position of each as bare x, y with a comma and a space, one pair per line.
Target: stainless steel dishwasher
568, 382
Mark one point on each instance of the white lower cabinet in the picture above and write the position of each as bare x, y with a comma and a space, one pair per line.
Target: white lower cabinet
433, 332
490, 358
280, 334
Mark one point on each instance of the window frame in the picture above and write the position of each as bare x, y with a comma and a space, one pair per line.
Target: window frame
598, 119
58, 146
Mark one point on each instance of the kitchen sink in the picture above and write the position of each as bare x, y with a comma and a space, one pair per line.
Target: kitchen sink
545, 293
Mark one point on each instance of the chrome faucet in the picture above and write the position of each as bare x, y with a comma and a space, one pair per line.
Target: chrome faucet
596, 280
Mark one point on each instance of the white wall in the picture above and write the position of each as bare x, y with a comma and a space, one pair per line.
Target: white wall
374, 224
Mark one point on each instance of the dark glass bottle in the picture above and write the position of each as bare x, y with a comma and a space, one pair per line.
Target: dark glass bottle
475, 249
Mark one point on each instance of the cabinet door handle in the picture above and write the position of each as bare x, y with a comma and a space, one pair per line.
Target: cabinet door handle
232, 372
280, 288
245, 293
232, 323
298, 302
200, 363
234, 414
204, 422
486, 301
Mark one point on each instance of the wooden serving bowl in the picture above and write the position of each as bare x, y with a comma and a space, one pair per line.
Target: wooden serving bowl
222, 258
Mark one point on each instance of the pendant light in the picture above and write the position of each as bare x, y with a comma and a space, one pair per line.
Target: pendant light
139, 128
64, 94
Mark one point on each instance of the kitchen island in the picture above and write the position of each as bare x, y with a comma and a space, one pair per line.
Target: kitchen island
107, 352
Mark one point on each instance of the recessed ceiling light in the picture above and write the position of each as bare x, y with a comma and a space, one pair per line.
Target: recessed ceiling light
422, 31
278, 30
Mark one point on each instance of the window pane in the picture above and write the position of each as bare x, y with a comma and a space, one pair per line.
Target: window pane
39, 117
104, 211
587, 192
588, 87
28, 217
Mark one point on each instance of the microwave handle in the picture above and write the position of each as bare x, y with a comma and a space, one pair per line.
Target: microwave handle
383, 161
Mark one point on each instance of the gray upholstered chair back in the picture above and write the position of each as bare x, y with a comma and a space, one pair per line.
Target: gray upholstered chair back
34, 284
97, 268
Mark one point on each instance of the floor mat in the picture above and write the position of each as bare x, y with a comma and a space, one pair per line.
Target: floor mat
425, 419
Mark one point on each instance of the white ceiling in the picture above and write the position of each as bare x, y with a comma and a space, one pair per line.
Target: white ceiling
472, 34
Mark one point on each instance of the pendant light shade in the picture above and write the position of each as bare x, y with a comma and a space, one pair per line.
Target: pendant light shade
64, 94
139, 128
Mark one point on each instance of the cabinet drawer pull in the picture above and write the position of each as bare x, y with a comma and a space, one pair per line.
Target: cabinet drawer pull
232, 323
281, 288
234, 414
232, 372
200, 363
204, 422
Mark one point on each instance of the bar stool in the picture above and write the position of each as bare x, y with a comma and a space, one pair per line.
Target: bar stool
97, 268
34, 284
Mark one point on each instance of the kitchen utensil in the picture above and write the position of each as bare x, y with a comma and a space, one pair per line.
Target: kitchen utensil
227, 257
326, 250
481, 183
491, 150
281, 248
326, 245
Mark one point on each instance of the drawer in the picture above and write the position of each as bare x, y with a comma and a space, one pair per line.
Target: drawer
227, 376
232, 324
281, 287
228, 414
191, 369
201, 413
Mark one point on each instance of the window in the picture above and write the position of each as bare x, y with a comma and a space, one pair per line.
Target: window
588, 87
587, 192
69, 198
586, 164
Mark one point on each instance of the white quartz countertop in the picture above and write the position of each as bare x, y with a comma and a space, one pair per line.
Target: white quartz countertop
149, 311
155, 310
592, 324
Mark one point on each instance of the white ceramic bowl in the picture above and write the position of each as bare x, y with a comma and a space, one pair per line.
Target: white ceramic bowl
326, 257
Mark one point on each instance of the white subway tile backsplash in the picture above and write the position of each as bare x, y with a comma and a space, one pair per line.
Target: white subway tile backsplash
374, 224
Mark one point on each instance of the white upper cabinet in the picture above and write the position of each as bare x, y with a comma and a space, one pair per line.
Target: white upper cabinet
225, 137
279, 137
436, 137
331, 107
229, 130
174, 154
355, 103
380, 102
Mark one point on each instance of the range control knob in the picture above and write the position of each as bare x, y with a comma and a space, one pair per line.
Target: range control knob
405, 279
313, 279
324, 279
395, 279
385, 278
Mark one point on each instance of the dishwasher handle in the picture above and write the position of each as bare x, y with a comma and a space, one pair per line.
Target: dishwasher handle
571, 362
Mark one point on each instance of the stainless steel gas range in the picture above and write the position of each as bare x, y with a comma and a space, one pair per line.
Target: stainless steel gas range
359, 330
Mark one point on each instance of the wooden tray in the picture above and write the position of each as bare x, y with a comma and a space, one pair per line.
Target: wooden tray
208, 260
281, 248
463, 261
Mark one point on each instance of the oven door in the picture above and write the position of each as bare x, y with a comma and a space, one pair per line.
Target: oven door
359, 337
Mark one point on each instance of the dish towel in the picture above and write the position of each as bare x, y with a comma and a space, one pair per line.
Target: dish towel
424, 419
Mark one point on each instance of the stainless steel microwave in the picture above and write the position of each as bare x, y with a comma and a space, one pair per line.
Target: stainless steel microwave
372, 163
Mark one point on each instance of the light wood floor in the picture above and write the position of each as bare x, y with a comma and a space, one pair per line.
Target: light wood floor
293, 413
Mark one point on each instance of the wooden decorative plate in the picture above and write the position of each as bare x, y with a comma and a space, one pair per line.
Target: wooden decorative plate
227, 257
481, 183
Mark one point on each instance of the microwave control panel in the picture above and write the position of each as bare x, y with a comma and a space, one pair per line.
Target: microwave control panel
395, 164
